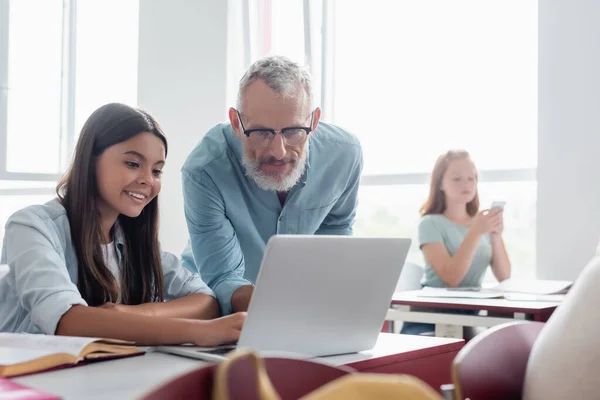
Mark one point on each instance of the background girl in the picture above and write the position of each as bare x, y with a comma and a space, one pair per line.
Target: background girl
457, 240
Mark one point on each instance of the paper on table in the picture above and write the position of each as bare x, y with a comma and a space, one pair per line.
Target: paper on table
526, 290
533, 286
552, 298
460, 294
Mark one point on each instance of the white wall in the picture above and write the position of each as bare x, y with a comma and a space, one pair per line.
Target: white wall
568, 219
182, 82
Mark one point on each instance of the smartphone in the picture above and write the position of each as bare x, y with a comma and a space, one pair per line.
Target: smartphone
499, 204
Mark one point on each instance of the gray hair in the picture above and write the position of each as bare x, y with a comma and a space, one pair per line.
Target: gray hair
281, 74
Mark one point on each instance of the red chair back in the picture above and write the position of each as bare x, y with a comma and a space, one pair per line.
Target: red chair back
492, 365
292, 378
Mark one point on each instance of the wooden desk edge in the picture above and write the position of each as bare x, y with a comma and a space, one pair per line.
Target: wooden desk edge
406, 356
502, 308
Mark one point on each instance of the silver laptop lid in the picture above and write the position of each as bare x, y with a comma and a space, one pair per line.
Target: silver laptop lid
322, 295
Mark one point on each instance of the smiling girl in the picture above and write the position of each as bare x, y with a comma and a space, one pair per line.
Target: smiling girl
89, 263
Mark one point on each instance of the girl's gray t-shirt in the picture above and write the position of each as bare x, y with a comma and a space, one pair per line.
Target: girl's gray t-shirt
436, 228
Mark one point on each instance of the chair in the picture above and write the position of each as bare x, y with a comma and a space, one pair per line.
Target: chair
3, 270
492, 365
410, 278
292, 378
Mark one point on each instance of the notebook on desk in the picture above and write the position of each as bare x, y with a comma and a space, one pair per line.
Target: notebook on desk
460, 293
534, 286
317, 296
22, 353
552, 298
510, 289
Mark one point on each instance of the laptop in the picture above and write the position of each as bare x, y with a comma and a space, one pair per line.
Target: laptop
316, 296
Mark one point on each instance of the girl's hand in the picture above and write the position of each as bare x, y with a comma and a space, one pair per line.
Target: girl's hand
487, 221
499, 227
224, 330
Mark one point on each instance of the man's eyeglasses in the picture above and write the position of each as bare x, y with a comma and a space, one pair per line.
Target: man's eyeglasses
262, 137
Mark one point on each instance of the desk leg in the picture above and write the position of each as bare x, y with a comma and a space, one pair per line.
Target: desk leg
520, 315
388, 327
434, 370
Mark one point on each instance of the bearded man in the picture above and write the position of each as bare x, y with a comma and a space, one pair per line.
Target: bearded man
274, 169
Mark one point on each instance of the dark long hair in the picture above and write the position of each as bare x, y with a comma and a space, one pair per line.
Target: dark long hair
142, 277
436, 202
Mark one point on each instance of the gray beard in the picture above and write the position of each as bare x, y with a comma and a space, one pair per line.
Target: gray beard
270, 182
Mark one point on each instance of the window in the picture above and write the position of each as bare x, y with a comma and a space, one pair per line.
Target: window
107, 55
448, 75
33, 86
413, 79
265, 27
57, 64
59, 61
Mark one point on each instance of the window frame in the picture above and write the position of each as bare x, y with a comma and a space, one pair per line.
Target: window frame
496, 175
68, 80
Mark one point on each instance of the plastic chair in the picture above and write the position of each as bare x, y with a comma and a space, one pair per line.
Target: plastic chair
492, 365
410, 278
292, 378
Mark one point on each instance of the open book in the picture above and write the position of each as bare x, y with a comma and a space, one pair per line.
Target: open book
533, 290
22, 353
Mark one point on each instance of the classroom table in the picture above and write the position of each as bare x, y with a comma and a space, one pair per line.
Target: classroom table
427, 358
409, 306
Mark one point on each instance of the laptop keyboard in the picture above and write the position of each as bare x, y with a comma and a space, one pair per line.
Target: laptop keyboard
221, 351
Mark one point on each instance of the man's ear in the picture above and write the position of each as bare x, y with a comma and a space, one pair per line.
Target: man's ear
235, 122
316, 118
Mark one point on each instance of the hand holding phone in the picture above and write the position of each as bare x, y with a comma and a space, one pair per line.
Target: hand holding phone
497, 204
499, 226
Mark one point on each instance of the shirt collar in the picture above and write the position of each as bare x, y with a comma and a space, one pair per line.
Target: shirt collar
307, 170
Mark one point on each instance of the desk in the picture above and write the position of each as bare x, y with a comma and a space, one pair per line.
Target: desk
425, 357
403, 305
